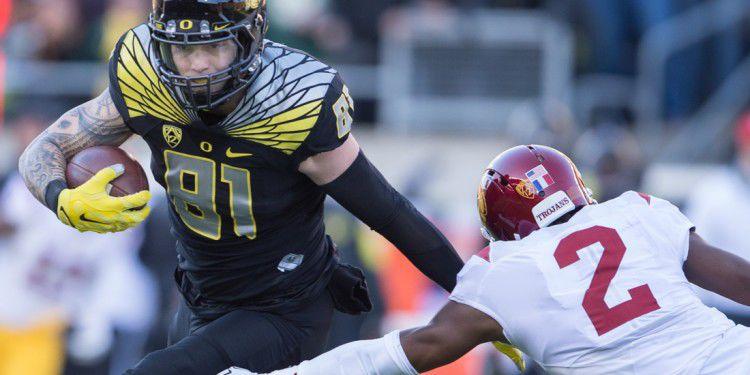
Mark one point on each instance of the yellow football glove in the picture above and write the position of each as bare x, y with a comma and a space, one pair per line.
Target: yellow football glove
513, 353
89, 207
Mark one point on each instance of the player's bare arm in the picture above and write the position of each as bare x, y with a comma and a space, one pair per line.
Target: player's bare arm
328, 166
87, 207
96, 122
453, 332
717, 270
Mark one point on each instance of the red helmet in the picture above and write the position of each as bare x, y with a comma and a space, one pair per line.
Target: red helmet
526, 188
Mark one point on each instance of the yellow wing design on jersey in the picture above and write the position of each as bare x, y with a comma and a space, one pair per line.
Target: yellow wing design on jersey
285, 131
143, 92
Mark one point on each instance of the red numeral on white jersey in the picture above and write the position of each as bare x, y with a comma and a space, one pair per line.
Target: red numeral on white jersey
603, 317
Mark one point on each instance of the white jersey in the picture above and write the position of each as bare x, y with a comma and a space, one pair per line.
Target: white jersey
603, 293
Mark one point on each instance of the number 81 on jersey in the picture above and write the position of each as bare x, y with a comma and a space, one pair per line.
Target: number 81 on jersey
196, 202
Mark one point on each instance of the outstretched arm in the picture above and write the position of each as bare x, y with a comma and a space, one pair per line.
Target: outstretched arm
348, 177
455, 330
96, 122
717, 270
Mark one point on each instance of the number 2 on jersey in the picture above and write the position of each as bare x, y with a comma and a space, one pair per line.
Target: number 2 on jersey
603, 317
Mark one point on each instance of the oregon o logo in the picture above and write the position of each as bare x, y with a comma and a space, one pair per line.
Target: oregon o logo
186, 24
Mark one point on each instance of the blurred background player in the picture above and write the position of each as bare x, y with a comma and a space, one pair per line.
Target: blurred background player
65, 294
247, 137
579, 286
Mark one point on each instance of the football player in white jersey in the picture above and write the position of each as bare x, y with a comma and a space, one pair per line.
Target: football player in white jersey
580, 287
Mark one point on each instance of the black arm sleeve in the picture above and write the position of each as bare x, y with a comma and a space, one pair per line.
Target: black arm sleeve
363, 191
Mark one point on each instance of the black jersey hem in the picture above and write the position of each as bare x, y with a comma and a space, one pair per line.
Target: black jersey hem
205, 308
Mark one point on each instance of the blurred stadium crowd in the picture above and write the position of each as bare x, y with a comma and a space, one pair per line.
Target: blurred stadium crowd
651, 97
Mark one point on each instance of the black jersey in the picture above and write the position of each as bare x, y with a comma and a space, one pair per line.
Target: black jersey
248, 223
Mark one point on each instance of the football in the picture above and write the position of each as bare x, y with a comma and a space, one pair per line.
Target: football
86, 163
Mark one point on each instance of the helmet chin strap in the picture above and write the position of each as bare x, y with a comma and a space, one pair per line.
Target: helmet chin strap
215, 96
220, 109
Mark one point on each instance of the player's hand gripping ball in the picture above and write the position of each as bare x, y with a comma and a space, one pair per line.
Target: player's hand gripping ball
108, 191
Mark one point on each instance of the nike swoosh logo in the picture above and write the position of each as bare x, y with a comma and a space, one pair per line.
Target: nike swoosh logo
233, 155
83, 218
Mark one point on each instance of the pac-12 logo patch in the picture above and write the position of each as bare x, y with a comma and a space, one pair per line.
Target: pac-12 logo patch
172, 135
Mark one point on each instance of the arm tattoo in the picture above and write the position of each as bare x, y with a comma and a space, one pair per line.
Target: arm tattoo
93, 123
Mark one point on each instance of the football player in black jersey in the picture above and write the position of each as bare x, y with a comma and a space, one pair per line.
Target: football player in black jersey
247, 136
